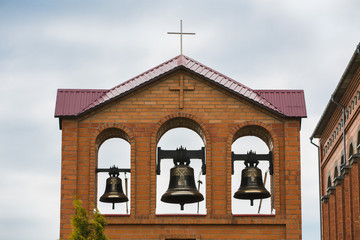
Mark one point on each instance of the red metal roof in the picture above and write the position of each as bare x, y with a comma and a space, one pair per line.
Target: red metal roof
70, 102
75, 102
290, 102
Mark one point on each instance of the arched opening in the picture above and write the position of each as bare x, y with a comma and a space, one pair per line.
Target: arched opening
113, 149
336, 171
329, 182
171, 139
256, 139
342, 160
351, 150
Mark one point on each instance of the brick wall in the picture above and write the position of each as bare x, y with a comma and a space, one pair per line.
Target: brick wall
219, 117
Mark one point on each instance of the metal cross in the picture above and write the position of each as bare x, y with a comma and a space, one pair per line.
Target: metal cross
181, 33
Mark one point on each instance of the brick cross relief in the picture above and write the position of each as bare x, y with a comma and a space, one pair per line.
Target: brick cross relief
181, 90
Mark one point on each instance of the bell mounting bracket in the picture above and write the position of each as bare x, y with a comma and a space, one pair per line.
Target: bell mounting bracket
251, 159
113, 171
181, 156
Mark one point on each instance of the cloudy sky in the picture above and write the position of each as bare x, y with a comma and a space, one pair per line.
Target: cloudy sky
46, 45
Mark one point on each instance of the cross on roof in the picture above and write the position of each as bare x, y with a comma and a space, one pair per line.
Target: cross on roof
181, 33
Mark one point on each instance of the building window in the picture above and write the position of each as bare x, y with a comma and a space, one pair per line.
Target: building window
329, 182
342, 160
351, 150
336, 170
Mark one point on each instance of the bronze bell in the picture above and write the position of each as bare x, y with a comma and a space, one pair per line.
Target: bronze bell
113, 191
182, 187
252, 186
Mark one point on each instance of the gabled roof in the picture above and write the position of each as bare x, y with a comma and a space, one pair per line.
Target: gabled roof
72, 103
338, 93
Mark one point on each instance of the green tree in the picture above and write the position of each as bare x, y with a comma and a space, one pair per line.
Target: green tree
84, 228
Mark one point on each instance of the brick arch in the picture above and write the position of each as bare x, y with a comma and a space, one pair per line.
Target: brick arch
100, 135
265, 133
174, 121
107, 131
180, 120
254, 128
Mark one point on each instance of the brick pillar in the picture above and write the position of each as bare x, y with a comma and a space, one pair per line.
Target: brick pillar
293, 177
69, 176
339, 211
332, 215
325, 220
347, 207
355, 198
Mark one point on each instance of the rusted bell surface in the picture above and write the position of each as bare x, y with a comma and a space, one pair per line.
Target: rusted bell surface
252, 186
113, 191
182, 188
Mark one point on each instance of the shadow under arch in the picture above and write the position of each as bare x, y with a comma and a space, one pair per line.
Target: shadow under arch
179, 120
256, 131
110, 133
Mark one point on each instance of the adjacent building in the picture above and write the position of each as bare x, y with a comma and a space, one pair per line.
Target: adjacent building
338, 132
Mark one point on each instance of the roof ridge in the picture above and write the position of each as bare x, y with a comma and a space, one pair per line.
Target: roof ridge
234, 81
148, 71
191, 65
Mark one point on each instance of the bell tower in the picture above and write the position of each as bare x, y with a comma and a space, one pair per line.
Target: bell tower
183, 190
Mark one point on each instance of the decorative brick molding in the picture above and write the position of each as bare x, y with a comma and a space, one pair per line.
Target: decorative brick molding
353, 159
330, 190
345, 170
338, 180
325, 199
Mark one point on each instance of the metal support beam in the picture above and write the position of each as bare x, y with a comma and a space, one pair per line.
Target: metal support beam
252, 159
187, 154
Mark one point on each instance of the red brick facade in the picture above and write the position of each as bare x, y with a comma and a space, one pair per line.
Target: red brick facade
219, 117
340, 175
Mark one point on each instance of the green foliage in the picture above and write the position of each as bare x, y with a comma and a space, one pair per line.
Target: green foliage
84, 228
